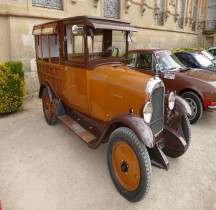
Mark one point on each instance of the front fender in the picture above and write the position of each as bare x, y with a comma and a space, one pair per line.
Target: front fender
173, 130
173, 118
135, 123
182, 106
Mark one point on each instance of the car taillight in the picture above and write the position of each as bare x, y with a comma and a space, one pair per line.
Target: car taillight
213, 103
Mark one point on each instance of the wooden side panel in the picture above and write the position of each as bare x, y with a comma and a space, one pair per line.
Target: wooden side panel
50, 73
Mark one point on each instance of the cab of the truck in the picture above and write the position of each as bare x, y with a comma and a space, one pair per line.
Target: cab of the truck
68, 50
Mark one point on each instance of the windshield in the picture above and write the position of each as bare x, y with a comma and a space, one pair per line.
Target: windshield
106, 44
168, 61
208, 55
203, 60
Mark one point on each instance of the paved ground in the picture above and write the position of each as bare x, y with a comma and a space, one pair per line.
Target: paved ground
46, 167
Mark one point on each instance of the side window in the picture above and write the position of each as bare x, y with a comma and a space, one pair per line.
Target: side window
74, 45
132, 57
148, 60
187, 59
95, 46
144, 60
180, 57
212, 52
38, 47
47, 48
54, 48
45, 51
191, 59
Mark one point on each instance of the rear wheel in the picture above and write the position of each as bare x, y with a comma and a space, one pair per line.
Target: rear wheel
49, 116
129, 164
185, 124
195, 104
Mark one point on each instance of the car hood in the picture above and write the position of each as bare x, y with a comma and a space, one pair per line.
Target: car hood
200, 74
213, 68
121, 75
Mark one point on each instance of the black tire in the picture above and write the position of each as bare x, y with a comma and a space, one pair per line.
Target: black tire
195, 104
49, 116
186, 128
136, 174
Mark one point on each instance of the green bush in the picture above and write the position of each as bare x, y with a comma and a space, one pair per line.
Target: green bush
188, 49
12, 86
16, 67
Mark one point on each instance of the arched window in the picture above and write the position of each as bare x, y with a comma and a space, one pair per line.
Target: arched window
181, 7
111, 8
160, 16
52, 4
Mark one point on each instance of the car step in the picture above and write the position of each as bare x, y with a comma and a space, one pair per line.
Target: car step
84, 134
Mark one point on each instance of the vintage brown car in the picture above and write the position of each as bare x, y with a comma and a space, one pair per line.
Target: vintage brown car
86, 84
196, 86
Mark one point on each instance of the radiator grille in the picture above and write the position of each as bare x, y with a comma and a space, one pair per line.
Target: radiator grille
157, 99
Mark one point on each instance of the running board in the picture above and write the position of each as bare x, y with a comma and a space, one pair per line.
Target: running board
84, 134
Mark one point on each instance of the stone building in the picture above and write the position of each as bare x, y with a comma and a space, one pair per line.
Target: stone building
166, 24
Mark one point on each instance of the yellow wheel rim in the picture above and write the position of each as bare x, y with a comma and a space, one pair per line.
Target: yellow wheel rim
126, 166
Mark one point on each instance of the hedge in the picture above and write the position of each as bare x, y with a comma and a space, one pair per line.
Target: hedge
189, 49
12, 86
16, 67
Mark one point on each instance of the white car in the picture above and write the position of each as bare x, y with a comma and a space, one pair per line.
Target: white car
212, 50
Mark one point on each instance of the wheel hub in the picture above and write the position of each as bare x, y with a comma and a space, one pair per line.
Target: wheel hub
193, 107
124, 167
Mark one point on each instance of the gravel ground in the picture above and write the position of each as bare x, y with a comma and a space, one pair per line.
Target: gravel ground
46, 167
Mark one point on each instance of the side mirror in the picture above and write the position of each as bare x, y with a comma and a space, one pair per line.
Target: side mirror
75, 29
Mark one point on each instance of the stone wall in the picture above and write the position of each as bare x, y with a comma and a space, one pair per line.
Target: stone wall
162, 39
17, 18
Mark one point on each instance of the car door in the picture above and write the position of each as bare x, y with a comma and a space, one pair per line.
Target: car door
74, 74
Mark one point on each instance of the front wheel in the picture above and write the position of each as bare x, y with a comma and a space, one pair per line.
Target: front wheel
195, 104
129, 164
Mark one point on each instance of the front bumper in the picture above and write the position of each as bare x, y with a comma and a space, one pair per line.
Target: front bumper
213, 108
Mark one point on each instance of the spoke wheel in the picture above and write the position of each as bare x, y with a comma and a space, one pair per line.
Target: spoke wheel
129, 164
126, 166
49, 116
47, 107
